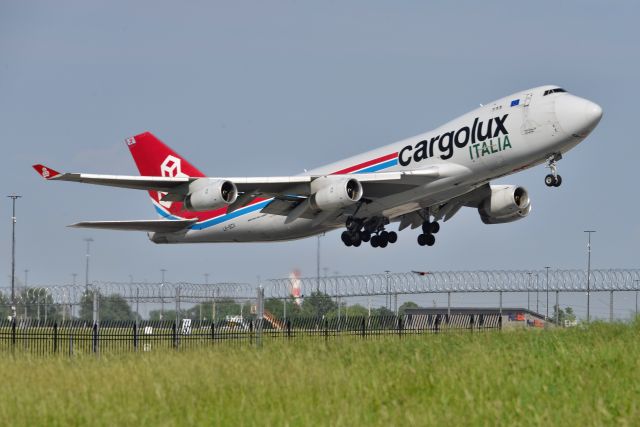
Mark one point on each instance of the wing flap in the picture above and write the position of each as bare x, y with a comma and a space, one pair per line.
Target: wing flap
157, 225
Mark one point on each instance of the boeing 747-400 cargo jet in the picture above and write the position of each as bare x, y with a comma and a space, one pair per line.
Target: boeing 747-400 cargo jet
416, 182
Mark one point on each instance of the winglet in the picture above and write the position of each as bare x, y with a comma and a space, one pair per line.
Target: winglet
45, 172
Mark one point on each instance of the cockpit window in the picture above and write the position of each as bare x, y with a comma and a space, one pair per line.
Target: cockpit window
556, 90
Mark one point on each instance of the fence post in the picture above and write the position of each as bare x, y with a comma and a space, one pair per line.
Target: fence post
288, 328
135, 336
95, 337
55, 337
400, 326
260, 316
471, 322
500, 322
326, 329
364, 326
174, 334
13, 332
213, 333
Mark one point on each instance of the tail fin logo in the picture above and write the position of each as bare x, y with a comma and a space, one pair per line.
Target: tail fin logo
171, 167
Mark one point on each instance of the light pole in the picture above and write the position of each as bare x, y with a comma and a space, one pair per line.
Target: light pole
162, 270
637, 298
537, 293
589, 274
547, 316
13, 198
528, 291
86, 271
318, 266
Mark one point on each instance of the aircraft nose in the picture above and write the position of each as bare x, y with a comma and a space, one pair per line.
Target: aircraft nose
577, 116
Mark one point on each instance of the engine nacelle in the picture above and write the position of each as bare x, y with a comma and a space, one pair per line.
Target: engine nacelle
506, 203
335, 192
210, 194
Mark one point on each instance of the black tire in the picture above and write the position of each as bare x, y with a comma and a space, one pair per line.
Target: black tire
364, 236
558, 182
429, 239
392, 237
346, 238
384, 243
422, 239
357, 243
550, 180
384, 235
374, 241
434, 227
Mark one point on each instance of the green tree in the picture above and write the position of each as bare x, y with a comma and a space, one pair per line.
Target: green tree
562, 315
110, 307
403, 308
318, 304
37, 303
356, 311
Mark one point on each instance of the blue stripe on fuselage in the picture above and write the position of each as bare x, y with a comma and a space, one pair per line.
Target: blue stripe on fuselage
380, 166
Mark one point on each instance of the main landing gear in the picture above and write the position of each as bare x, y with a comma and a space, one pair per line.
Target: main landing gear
371, 231
428, 230
553, 179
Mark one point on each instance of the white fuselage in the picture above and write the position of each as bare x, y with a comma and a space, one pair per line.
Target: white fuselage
492, 141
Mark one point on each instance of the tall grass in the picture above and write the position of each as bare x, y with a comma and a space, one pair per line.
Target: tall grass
587, 376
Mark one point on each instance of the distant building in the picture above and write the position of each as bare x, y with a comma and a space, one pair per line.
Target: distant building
473, 317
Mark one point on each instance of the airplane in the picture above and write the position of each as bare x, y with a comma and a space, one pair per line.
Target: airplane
416, 182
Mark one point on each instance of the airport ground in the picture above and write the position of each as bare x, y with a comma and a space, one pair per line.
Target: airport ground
588, 375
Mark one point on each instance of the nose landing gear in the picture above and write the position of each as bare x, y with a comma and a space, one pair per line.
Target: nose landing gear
553, 179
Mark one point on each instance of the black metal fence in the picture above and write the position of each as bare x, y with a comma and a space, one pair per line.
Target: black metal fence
81, 337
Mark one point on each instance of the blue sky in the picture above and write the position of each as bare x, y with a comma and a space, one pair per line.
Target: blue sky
272, 88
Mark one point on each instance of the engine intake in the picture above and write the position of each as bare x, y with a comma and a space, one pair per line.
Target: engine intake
333, 192
506, 203
210, 194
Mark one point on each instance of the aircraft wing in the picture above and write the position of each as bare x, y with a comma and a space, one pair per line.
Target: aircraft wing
272, 186
294, 190
158, 225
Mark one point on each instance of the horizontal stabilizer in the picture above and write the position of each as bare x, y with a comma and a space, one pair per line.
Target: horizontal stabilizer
157, 225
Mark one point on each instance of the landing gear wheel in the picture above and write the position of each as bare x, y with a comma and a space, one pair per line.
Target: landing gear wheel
550, 180
392, 237
384, 235
357, 243
558, 182
384, 243
429, 239
434, 227
375, 242
422, 239
346, 238
364, 236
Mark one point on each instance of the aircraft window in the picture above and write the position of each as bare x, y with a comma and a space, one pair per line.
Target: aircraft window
556, 90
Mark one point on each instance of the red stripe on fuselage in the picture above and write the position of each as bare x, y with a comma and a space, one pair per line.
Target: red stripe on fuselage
366, 164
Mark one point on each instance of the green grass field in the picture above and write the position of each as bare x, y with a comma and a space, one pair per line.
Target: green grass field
585, 376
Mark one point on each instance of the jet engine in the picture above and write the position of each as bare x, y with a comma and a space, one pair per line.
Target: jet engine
506, 203
210, 194
335, 192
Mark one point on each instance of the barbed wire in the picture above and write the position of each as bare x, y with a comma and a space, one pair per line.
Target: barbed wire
345, 286
133, 292
459, 281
